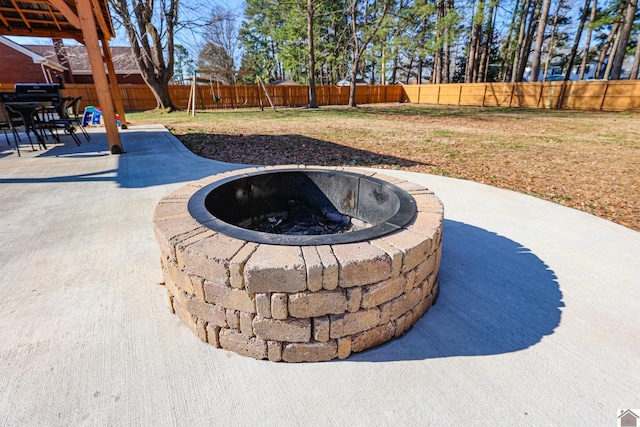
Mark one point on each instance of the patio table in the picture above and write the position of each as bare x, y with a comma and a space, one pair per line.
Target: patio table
27, 109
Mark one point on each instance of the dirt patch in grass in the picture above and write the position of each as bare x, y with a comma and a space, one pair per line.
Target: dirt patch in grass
584, 160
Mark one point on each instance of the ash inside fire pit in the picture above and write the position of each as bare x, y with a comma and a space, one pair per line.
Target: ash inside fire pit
303, 207
301, 219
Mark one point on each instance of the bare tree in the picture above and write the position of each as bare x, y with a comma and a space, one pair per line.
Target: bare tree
150, 27
214, 61
222, 31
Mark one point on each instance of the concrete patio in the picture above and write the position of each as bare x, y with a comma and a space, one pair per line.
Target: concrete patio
537, 322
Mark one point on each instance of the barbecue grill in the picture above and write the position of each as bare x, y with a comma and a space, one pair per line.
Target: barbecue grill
37, 92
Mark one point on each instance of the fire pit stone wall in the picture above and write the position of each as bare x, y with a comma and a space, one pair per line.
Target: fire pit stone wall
298, 303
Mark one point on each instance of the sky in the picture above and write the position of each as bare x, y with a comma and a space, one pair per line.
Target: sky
121, 39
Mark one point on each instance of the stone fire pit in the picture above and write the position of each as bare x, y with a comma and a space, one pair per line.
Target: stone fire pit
300, 298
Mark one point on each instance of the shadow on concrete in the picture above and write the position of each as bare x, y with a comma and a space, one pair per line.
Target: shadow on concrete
496, 297
155, 157
151, 158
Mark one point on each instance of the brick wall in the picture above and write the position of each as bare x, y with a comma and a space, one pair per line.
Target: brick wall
17, 68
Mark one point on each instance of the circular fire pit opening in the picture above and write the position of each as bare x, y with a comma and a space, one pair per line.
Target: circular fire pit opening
303, 207
298, 263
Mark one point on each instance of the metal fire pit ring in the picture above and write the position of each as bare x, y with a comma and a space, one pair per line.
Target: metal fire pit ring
298, 298
387, 206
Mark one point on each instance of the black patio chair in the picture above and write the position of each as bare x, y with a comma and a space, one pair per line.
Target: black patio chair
54, 119
5, 125
74, 116
43, 122
16, 120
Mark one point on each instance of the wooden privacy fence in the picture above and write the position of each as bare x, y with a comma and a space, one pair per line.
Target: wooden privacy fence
620, 95
140, 98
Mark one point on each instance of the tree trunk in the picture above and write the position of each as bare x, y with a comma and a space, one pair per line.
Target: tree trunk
149, 56
526, 48
576, 41
636, 61
537, 51
552, 41
449, 6
507, 58
355, 57
607, 70
486, 46
474, 44
587, 46
372, 76
383, 71
160, 91
436, 74
524, 14
313, 102
625, 32
407, 81
357, 47
394, 68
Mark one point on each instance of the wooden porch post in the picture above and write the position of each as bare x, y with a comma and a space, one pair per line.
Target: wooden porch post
113, 82
90, 34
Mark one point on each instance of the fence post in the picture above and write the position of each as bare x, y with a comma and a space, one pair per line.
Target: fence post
438, 96
459, 93
513, 87
540, 96
604, 94
561, 96
484, 95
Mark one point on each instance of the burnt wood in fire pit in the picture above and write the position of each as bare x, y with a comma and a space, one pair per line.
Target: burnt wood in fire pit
240, 206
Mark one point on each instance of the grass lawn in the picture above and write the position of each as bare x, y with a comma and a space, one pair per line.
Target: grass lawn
585, 160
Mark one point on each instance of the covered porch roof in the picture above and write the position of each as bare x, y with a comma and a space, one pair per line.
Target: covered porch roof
88, 22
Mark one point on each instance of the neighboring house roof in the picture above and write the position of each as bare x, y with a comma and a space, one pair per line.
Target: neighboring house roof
123, 59
37, 58
287, 82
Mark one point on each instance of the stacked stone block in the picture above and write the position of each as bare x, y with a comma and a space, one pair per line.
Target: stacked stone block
298, 303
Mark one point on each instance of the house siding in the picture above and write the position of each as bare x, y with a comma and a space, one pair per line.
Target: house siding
18, 68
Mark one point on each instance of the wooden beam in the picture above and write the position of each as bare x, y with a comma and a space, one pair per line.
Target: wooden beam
91, 42
113, 82
104, 27
24, 18
5, 22
53, 16
37, 32
71, 16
